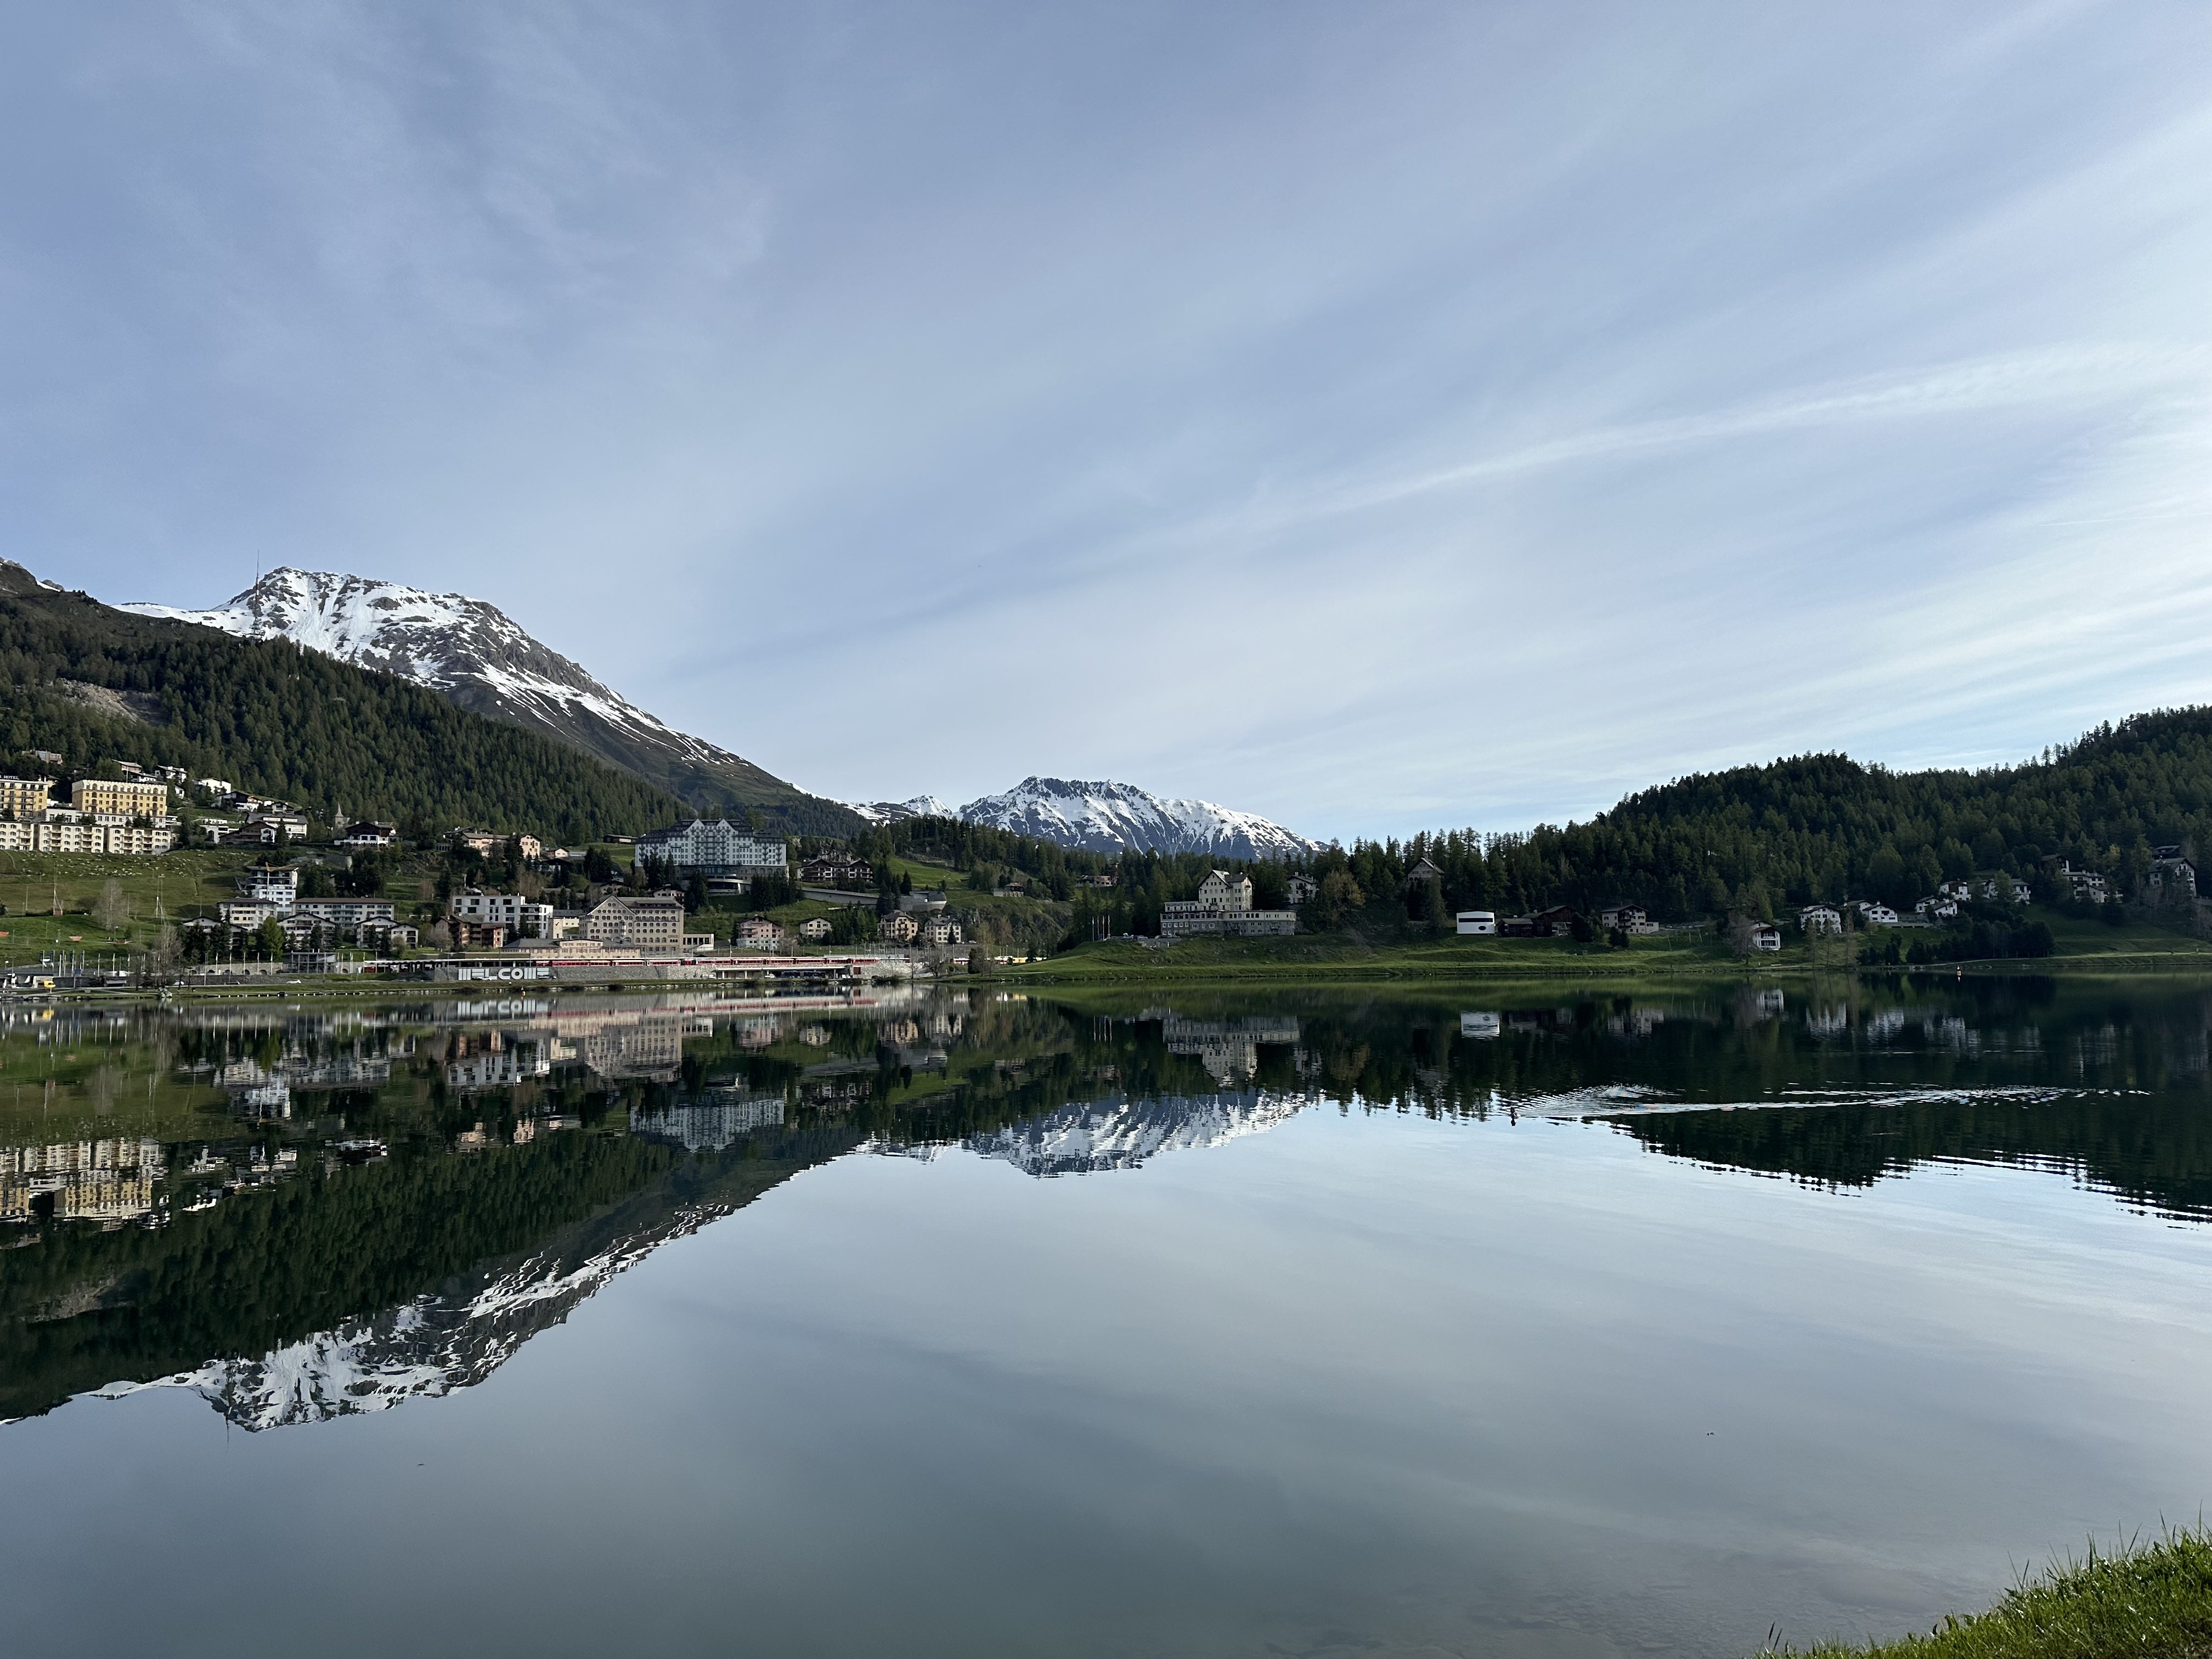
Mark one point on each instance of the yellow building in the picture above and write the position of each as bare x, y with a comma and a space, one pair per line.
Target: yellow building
25, 794
132, 799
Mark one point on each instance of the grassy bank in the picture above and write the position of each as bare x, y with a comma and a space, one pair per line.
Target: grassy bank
1361, 954
1339, 958
2152, 1601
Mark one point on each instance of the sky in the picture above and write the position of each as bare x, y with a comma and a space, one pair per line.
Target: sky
1378, 416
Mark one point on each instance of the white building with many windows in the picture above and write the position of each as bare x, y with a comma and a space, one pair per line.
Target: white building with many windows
714, 846
1224, 905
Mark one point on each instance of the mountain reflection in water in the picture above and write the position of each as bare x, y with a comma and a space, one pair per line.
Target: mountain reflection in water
304, 1214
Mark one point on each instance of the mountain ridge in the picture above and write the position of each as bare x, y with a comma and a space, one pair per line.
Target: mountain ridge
1102, 816
95, 684
478, 658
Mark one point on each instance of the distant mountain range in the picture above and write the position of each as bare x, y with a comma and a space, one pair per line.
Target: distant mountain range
476, 656
1109, 817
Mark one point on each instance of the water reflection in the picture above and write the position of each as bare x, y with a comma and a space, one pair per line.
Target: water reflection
301, 1214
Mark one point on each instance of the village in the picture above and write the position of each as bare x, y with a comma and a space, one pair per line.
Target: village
349, 895
707, 897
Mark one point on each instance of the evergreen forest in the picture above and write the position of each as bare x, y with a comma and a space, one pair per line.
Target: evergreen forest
1763, 840
98, 685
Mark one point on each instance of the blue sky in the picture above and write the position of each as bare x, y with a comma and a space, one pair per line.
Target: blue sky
1377, 417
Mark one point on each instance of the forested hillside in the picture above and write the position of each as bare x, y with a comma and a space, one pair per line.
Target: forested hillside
287, 722
1763, 838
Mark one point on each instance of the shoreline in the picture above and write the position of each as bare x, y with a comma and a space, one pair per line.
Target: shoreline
2152, 1599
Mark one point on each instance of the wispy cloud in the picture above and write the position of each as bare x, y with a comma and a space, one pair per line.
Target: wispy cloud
1460, 419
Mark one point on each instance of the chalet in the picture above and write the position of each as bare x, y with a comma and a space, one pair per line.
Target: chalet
1422, 871
2172, 877
1543, 924
1627, 918
2087, 885
271, 828
490, 843
1765, 937
1875, 914
369, 834
759, 933
815, 928
838, 871
940, 930
899, 927
390, 936
1821, 919
1300, 889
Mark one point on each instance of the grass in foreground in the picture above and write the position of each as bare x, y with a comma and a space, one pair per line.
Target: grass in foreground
2147, 1602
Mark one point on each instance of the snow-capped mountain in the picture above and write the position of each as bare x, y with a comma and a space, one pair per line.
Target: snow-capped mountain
1108, 817
890, 811
424, 1349
475, 654
1121, 1134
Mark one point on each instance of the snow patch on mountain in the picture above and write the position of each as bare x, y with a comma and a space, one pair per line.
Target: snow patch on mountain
890, 812
1119, 1134
1105, 817
442, 641
420, 1350
466, 649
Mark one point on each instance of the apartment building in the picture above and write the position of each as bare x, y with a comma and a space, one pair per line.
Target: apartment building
649, 924
522, 918
128, 798
22, 796
58, 830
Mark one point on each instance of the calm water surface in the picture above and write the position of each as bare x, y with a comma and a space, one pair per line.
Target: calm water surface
1555, 1325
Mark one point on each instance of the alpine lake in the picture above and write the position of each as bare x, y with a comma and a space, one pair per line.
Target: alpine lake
1547, 1322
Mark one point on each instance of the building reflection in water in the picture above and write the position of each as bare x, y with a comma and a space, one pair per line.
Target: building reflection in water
109, 1181
723, 1117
